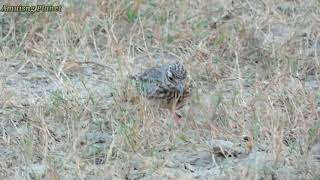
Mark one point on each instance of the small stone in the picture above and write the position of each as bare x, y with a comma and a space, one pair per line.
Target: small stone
315, 151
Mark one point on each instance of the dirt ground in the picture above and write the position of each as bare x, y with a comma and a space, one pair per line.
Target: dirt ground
67, 110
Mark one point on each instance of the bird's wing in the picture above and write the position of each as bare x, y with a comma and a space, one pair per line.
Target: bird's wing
149, 81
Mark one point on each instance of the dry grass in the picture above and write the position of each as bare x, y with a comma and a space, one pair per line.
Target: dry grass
67, 110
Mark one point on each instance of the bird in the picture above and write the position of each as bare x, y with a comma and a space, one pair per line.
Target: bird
169, 84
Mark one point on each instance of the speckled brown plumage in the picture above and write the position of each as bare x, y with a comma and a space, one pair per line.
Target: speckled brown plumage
168, 84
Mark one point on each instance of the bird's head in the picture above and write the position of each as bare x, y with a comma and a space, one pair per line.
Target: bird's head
176, 74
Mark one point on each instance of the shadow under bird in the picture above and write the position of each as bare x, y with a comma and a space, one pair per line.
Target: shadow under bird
169, 84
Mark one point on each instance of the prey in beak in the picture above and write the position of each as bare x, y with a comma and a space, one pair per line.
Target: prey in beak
180, 88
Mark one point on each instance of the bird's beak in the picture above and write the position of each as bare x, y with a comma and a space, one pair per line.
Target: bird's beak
179, 87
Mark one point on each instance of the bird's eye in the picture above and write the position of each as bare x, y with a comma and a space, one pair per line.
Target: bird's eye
170, 78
